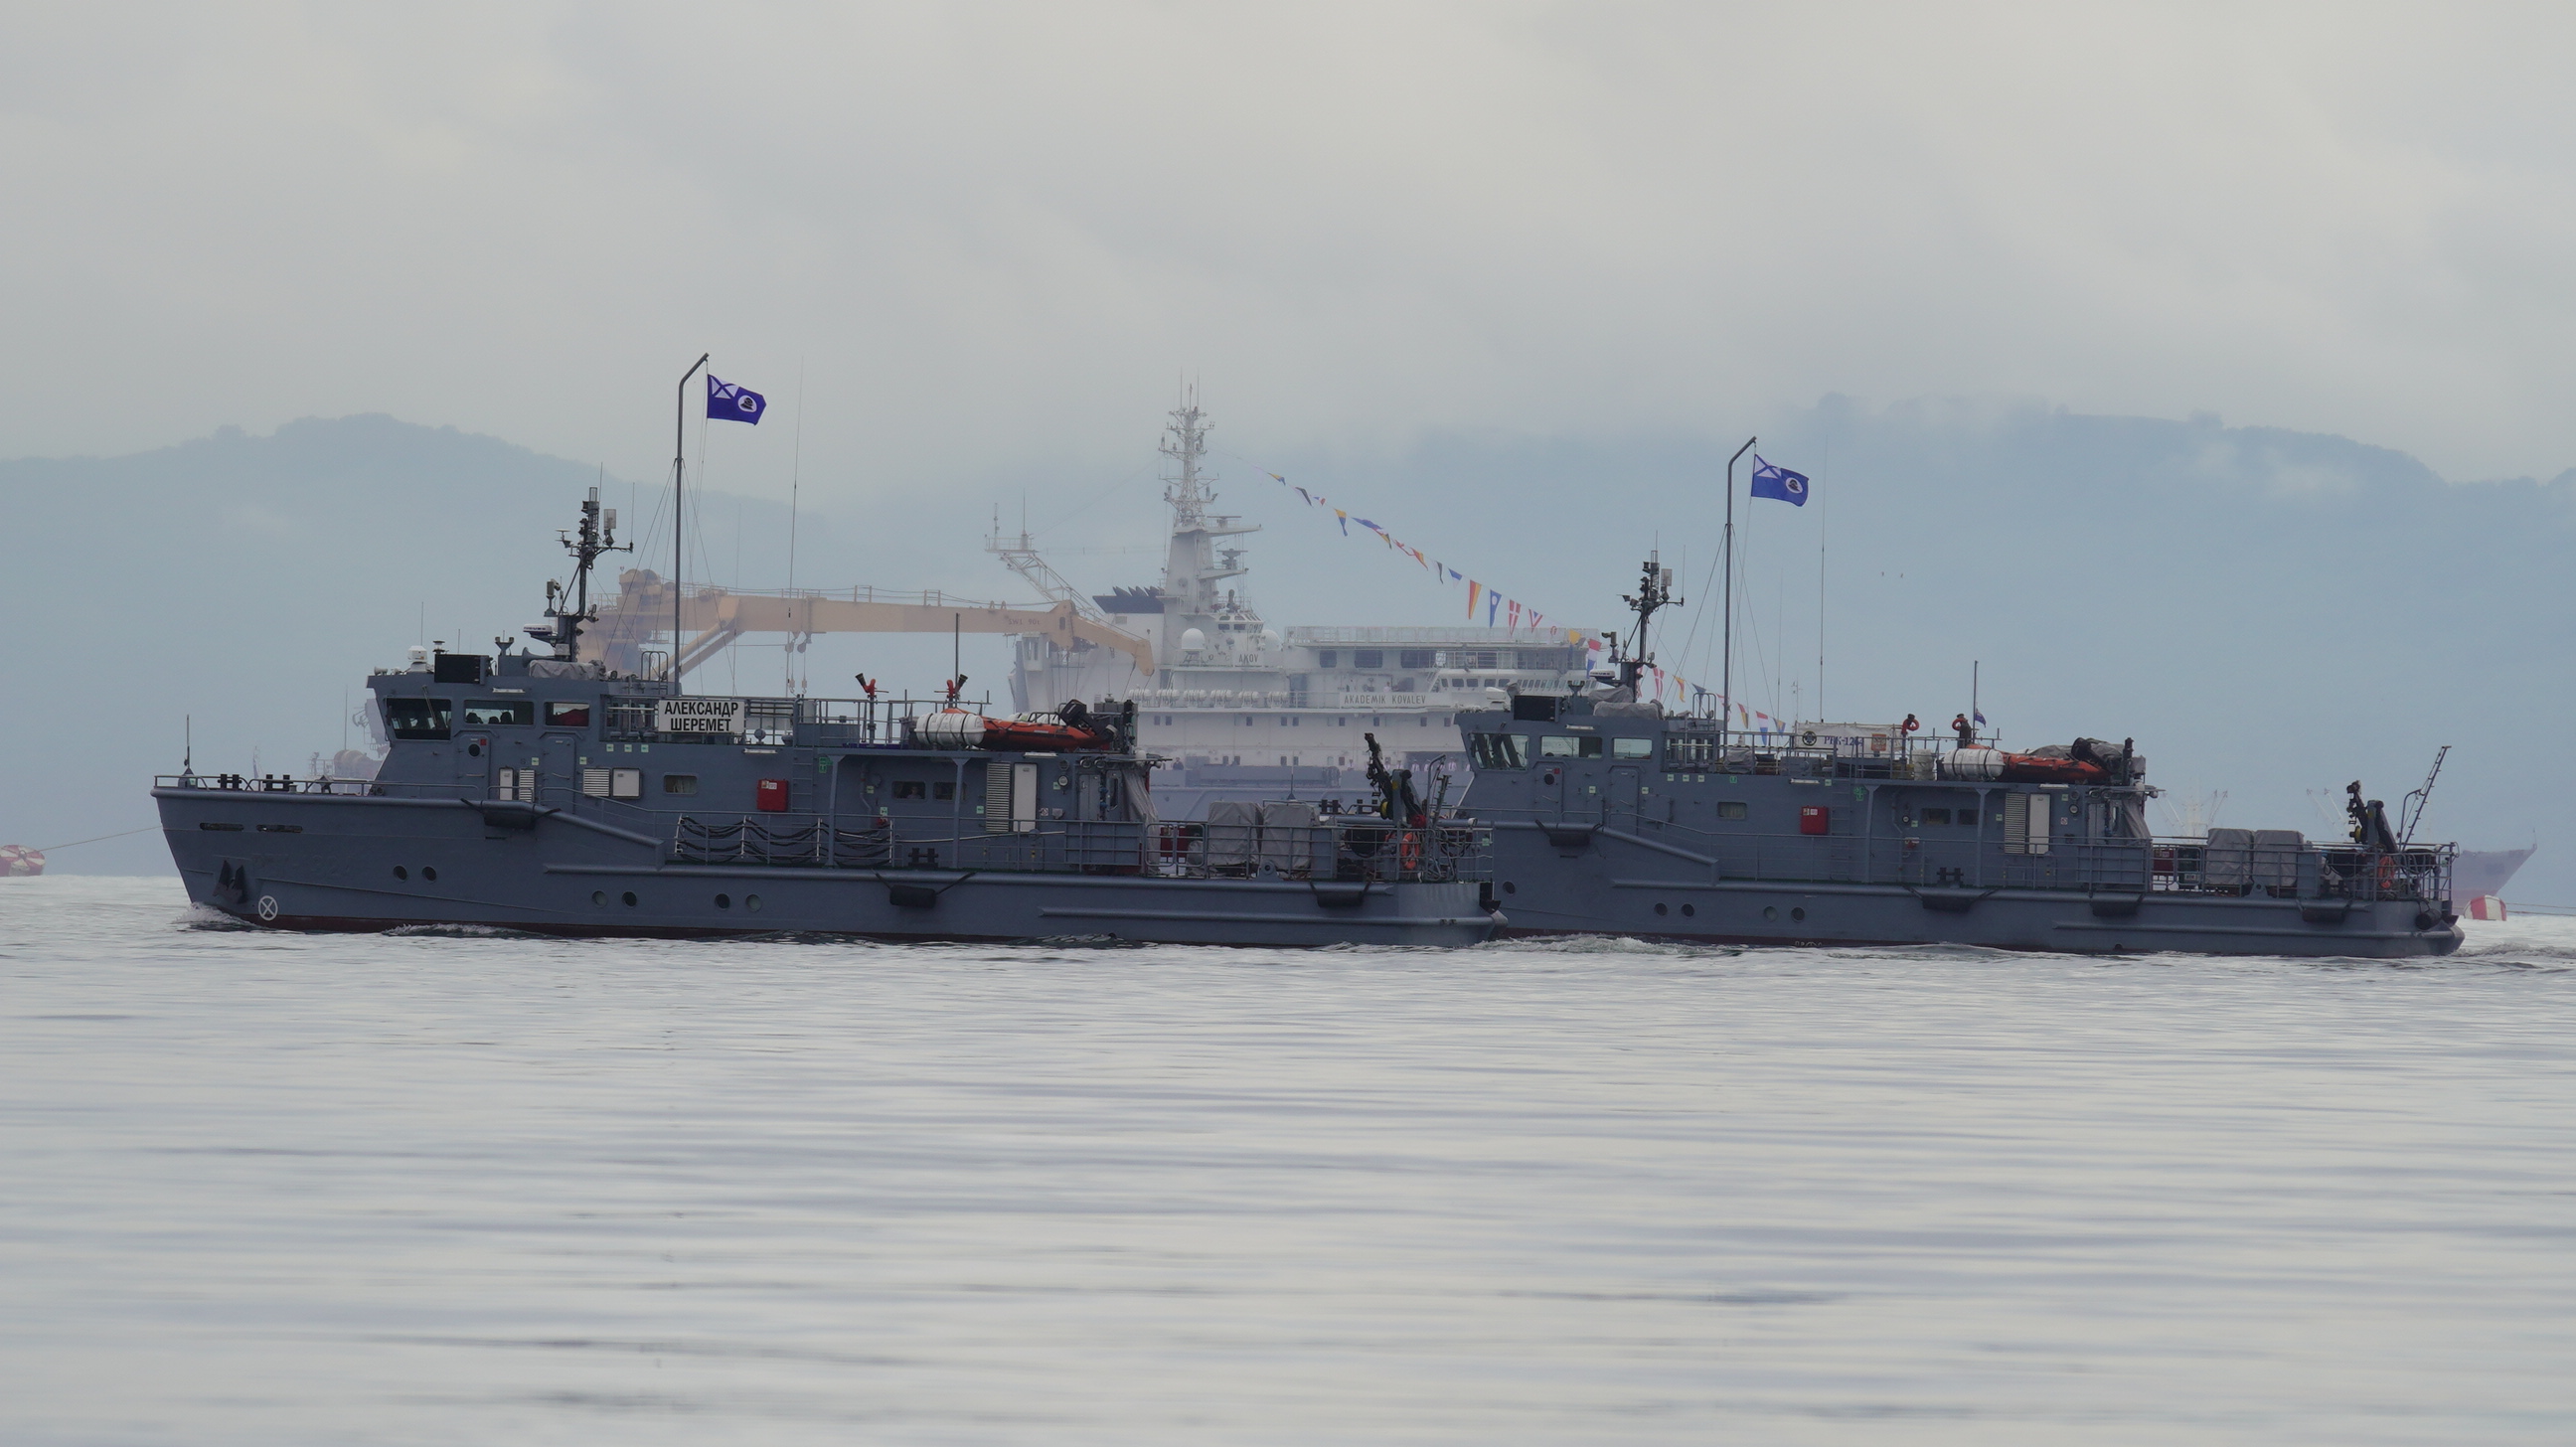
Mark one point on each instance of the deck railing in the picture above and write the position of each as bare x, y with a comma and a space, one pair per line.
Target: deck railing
1348, 850
1920, 760
803, 722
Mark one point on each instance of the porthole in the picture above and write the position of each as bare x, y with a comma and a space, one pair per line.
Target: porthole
751, 902
473, 751
629, 898
724, 901
429, 874
401, 873
1769, 912
1659, 909
599, 897
1798, 914
1688, 910
1510, 888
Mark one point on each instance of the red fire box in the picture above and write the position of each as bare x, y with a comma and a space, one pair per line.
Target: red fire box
1812, 818
773, 796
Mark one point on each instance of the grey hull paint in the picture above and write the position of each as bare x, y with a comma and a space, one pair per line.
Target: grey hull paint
1595, 842
1731, 912
545, 874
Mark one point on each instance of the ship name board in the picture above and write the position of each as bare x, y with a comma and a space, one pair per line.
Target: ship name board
1385, 700
712, 716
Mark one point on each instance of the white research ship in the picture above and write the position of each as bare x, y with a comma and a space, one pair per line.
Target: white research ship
1241, 710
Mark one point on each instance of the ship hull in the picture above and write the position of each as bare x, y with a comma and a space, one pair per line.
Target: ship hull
1615, 887
329, 863
2487, 871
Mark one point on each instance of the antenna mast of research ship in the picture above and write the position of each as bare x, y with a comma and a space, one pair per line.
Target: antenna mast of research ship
1195, 564
1187, 563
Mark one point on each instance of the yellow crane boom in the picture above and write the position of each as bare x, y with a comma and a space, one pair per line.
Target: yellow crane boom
713, 617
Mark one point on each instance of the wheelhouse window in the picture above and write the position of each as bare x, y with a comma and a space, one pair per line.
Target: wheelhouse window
1415, 658
498, 712
1730, 809
1566, 746
1328, 658
1368, 658
1632, 748
944, 789
418, 718
563, 715
1501, 751
679, 783
1936, 816
910, 789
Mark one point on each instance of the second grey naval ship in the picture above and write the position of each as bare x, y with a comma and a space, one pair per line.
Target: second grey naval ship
1611, 816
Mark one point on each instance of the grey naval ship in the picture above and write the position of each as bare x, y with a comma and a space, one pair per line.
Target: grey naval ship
1611, 816
556, 794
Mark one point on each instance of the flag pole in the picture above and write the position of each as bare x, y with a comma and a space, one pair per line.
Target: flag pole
1726, 645
679, 468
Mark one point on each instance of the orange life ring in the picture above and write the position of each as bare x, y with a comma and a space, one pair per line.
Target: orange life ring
2387, 873
1408, 850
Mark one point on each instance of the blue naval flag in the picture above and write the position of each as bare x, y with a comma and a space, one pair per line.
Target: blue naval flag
731, 402
1773, 480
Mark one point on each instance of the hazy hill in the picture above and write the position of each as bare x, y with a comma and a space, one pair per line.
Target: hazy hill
249, 582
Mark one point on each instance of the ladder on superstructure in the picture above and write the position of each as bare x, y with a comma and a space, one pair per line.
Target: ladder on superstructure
1020, 555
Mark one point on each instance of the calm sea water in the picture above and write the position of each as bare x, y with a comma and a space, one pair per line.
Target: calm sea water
481, 1188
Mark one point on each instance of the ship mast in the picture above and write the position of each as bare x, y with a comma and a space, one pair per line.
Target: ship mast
596, 535
1654, 591
679, 510
1195, 564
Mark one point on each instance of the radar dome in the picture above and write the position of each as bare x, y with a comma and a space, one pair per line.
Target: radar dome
1192, 640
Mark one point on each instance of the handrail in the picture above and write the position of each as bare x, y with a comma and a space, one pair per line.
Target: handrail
1349, 849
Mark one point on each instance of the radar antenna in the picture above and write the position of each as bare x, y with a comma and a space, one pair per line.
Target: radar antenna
596, 536
1654, 591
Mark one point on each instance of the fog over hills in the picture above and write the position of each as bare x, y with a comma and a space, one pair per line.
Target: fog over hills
2266, 612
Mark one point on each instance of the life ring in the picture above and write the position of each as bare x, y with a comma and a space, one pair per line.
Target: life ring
2387, 873
1408, 850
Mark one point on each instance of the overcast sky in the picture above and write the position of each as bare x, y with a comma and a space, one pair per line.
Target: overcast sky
992, 236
